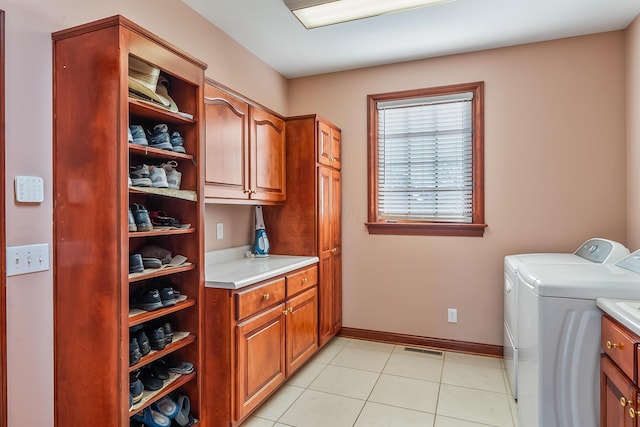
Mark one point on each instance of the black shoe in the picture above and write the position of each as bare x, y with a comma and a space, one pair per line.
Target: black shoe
135, 264
148, 300
167, 297
177, 142
141, 217
135, 388
150, 382
157, 338
159, 137
134, 352
168, 332
143, 342
159, 370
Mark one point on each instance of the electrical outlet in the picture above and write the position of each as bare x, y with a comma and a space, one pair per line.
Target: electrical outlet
219, 231
452, 315
27, 259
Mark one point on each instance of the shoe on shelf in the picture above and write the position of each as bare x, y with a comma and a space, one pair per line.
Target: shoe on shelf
174, 177
140, 176
177, 143
159, 137
134, 351
160, 218
167, 407
166, 295
159, 370
135, 387
141, 217
132, 222
155, 251
135, 264
138, 136
150, 382
129, 136
158, 177
143, 342
184, 417
157, 338
180, 368
151, 418
151, 263
148, 300
168, 332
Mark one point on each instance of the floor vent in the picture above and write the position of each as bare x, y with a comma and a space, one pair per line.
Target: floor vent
422, 350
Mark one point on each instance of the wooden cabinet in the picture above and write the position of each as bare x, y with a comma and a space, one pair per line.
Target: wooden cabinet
268, 330
619, 393
310, 222
245, 150
93, 287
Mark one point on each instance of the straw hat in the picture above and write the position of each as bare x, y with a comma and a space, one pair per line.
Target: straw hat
143, 81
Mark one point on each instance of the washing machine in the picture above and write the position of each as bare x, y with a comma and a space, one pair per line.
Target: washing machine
593, 251
559, 338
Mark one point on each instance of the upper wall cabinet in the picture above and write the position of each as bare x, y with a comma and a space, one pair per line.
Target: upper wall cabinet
244, 151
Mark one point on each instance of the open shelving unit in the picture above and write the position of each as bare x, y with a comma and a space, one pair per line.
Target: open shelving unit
92, 284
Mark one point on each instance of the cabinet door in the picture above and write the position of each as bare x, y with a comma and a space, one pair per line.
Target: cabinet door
226, 146
614, 387
329, 146
325, 253
260, 358
336, 237
267, 154
302, 328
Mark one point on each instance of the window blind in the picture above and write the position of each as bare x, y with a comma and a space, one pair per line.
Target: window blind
425, 159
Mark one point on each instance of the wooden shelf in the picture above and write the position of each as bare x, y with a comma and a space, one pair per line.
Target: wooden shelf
145, 316
185, 338
157, 153
142, 234
189, 195
149, 397
141, 108
150, 273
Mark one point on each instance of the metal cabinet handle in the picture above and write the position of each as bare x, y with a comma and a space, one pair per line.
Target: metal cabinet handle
304, 280
611, 345
266, 296
632, 412
624, 402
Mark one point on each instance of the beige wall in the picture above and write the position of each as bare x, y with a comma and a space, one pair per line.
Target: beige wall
29, 24
633, 134
555, 176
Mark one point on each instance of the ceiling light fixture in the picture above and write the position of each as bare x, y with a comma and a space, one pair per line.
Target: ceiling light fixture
319, 13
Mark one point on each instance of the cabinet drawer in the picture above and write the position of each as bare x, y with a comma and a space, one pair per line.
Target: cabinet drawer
302, 280
255, 299
619, 345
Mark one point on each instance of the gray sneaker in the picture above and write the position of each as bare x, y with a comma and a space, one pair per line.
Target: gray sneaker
159, 137
140, 176
173, 176
158, 177
137, 135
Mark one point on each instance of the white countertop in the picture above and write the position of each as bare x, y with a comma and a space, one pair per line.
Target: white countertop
625, 311
230, 269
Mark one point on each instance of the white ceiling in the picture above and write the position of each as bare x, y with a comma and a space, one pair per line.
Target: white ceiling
270, 31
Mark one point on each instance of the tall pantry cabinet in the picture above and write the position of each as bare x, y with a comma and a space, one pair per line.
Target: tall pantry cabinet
310, 222
93, 288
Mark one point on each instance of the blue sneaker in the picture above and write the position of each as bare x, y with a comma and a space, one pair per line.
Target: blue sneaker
159, 137
152, 418
137, 135
177, 143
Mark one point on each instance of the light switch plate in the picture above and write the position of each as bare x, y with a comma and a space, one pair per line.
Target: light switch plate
27, 259
29, 189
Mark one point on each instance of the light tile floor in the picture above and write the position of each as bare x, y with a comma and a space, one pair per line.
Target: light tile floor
355, 383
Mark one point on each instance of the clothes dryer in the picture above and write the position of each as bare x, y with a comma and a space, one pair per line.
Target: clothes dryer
559, 338
593, 251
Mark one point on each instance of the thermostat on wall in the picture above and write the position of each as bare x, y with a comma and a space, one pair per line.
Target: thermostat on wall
29, 189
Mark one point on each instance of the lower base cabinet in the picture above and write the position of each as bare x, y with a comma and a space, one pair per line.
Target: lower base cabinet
269, 330
619, 393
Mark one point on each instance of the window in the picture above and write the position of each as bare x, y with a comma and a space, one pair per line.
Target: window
426, 168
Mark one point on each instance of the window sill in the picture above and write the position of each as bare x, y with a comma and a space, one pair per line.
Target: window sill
426, 229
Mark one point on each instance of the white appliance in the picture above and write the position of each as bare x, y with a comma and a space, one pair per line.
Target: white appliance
559, 338
596, 250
